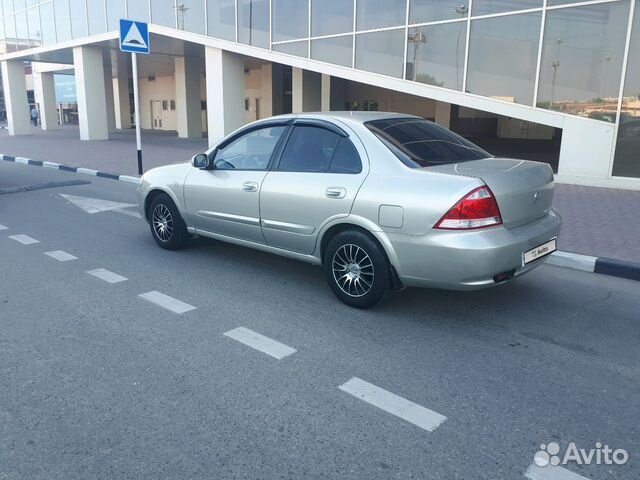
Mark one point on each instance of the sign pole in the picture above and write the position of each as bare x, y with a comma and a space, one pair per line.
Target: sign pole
136, 109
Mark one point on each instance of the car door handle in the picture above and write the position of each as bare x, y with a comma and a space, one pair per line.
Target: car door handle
250, 186
335, 192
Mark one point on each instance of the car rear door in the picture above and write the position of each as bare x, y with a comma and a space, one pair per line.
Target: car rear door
315, 179
225, 199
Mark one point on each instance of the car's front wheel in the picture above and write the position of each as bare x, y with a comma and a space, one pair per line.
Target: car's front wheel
167, 227
357, 269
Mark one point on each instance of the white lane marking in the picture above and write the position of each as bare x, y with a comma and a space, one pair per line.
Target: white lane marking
87, 171
129, 213
393, 404
260, 342
107, 276
61, 255
551, 472
2, 227
24, 239
575, 261
95, 205
165, 301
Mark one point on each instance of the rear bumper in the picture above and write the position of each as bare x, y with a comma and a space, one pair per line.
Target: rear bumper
470, 260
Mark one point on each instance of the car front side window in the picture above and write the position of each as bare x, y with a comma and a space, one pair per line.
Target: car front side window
251, 151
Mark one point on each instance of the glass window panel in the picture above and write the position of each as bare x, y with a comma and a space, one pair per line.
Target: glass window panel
290, 19
78, 18
503, 55
627, 160
253, 22
19, 5
63, 21
380, 13
338, 50
33, 21
7, 7
308, 149
138, 10
251, 151
10, 32
486, 7
381, 52
115, 11
299, 49
163, 12
97, 20
422, 11
436, 54
222, 19
329, 17
22, 30
191, 15
582, 59
47, 24
2, 37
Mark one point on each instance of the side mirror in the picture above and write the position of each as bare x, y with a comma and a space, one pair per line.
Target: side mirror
200, 161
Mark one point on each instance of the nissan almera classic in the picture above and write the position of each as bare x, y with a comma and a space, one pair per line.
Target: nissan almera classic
380, 200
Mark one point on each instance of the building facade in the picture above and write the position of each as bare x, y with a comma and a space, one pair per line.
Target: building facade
552, 80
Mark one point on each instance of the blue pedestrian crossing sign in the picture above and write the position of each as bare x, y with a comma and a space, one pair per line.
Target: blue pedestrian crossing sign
134, 36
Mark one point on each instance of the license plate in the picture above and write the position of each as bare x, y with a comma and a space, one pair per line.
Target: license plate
540, 251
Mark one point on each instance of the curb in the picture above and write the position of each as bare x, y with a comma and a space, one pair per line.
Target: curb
65, 168
601, 265
574, 261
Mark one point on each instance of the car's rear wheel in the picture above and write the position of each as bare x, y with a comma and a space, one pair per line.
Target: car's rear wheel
167, 227
357, 269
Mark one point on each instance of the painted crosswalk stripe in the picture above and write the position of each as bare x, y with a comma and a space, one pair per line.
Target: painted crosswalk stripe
2, 227
261, 343
393, 404
61, 256
107, 276
551, 472
24, 239
165, 301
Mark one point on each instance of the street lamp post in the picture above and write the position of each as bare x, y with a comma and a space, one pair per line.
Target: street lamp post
416, 38
181, 9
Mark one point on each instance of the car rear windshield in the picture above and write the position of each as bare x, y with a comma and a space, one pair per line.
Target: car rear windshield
421, 143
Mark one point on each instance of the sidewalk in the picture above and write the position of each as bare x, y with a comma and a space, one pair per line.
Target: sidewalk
600, 222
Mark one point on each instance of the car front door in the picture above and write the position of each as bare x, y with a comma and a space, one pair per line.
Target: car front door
315, 180
225, 199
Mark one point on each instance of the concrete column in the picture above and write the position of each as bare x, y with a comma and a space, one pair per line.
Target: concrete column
15, 97
45, 92
443, 114
91, 93
188, 106
306, 91
121, 94
325, 102
108, 90
266, 100
225, 92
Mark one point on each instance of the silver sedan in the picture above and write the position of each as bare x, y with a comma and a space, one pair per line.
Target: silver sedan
381, 201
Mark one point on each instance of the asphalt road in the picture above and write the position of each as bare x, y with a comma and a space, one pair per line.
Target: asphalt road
97, 382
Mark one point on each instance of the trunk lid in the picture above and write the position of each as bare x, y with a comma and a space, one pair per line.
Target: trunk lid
523, 189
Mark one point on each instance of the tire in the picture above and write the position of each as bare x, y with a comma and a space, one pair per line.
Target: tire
357, 269
167, 227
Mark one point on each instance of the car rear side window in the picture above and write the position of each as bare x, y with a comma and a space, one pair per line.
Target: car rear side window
315, 149
423, 142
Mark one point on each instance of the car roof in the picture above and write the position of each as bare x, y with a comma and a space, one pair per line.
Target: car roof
357, 117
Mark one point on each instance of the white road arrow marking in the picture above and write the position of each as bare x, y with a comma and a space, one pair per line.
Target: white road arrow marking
97, 205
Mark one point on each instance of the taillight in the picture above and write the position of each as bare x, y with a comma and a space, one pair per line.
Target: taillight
478, 209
